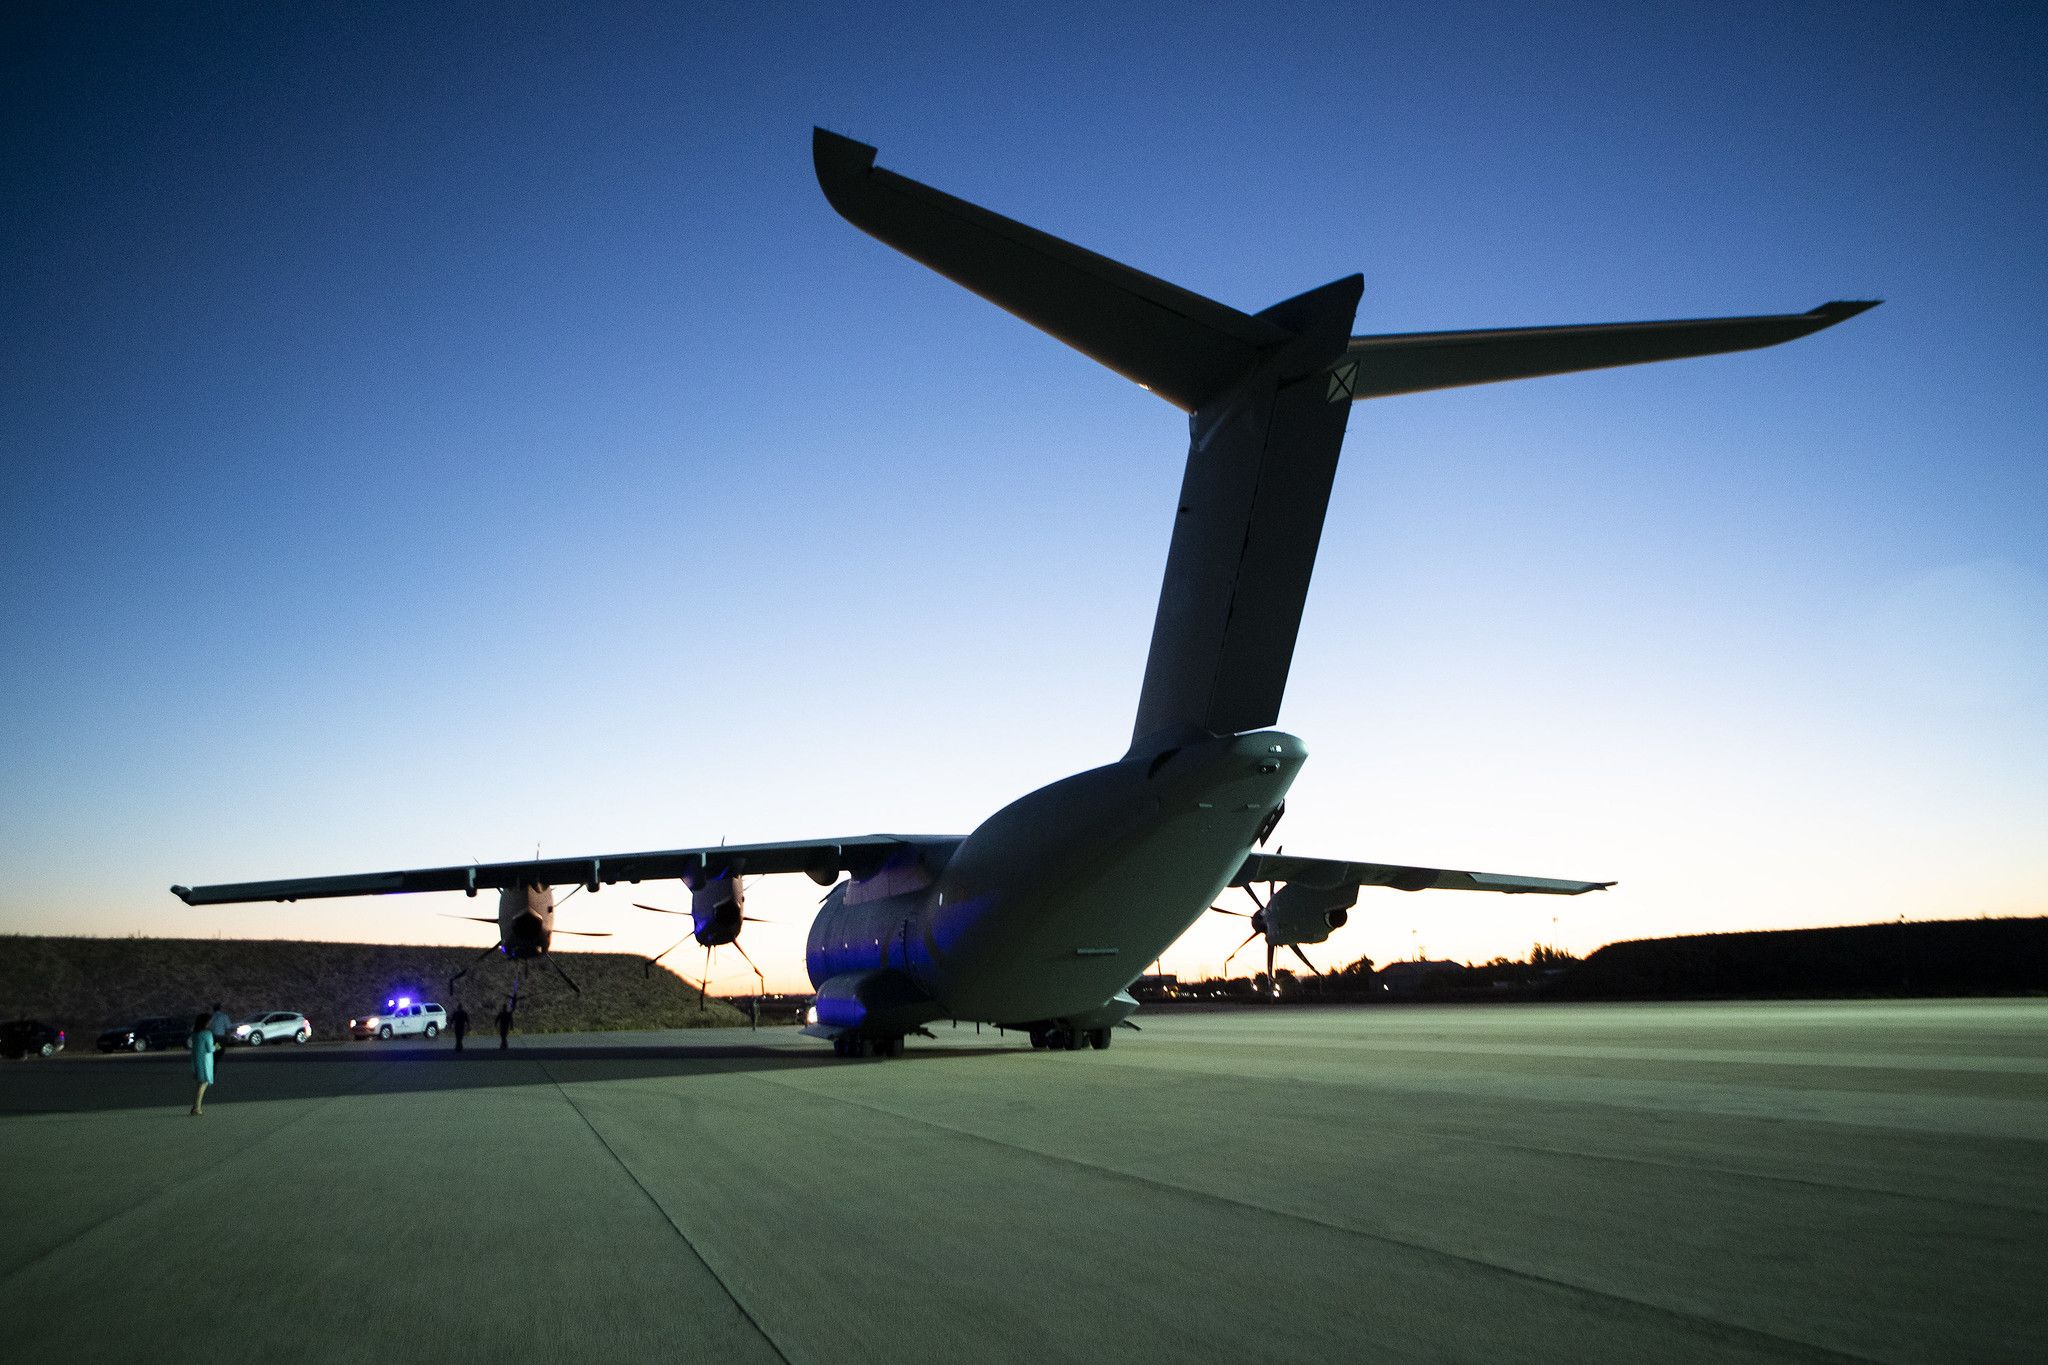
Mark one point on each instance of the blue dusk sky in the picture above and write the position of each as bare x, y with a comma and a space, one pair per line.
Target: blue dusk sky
437, 430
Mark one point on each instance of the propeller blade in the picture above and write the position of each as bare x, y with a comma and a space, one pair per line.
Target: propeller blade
583, 933
571, 896
1296, 950
479, 919
559, 972
648, 969
1238, 949
750, 962
658, 910
704, 986
1235, 914
1254, 895
1272, 983
473, 961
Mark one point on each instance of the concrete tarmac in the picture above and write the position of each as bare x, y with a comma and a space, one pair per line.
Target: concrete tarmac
1863, 1180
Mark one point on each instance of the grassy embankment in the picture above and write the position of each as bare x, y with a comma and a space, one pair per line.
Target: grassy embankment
84, 985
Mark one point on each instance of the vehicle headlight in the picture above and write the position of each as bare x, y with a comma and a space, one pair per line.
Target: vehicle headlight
811, 1015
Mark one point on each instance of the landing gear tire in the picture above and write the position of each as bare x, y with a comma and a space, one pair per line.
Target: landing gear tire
1075, 1040
1040, 1040
433, 1029
1098, 1038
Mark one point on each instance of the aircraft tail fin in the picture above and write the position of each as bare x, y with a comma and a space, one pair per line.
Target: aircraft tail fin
1268, 395
1266, 426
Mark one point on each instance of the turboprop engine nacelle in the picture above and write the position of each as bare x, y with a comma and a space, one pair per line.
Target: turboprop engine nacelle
717, 907
1306, 914
526, 919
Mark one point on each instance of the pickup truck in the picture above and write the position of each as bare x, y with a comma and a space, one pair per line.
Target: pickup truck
400, 1019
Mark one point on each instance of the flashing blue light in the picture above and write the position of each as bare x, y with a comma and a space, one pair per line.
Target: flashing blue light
404, 1000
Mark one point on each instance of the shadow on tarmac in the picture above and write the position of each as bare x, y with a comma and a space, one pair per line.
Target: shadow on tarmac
164, 1080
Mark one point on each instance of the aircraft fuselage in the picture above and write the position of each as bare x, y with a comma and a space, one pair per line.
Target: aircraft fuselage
1058, 901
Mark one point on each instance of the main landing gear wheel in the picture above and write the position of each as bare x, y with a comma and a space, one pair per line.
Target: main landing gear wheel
1098, 1038
433, 1029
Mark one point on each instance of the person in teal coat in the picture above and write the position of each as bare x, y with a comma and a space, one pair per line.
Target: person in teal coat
201, 1044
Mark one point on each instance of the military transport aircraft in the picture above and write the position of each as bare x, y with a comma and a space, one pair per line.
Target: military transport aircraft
1041, 916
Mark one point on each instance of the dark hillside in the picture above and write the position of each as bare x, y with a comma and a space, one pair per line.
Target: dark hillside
1934, 957
84, 985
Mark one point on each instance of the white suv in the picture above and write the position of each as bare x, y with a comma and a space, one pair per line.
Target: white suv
273, 1027
401, 1019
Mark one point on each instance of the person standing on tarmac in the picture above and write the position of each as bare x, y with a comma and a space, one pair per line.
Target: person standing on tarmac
505, 1026
218, 1024
460, 1023
202, 1061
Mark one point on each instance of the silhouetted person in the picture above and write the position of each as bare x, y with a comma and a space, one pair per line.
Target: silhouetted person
504, 1026
460, 1023
201, 1043
218, 1024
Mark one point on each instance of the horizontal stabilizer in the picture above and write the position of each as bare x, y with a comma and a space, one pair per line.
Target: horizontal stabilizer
1416, 362
1181, 346
1328, 872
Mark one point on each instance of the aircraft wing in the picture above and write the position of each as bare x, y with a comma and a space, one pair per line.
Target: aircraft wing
1328, 872
821, 860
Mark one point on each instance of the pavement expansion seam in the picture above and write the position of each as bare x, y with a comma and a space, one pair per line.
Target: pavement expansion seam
1742, 1175
162, 1191
667, 1217
1704, 1325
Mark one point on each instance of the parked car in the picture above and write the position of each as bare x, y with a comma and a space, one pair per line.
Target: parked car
400, 1018
21, 1037
143, 1035
273, 1027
